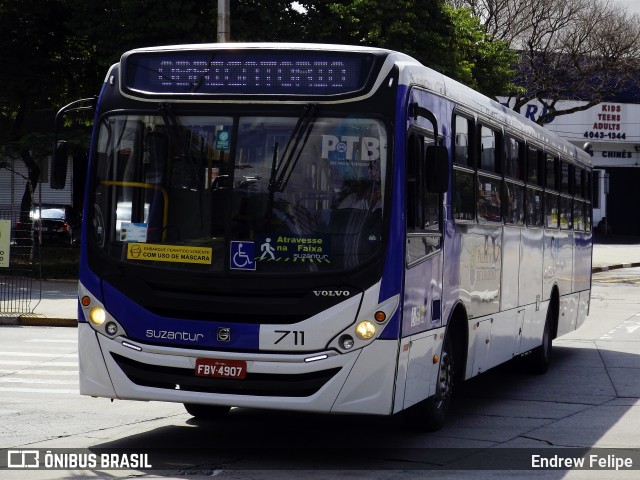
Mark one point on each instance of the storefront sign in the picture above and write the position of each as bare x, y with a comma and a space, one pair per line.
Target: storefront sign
5, 242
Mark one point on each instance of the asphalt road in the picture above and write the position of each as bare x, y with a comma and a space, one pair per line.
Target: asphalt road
587, 402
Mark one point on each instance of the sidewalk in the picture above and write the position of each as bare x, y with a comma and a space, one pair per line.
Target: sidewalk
54, 303
58, 305
608, 256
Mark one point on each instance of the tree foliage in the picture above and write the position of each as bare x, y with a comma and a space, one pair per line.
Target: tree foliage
33, 54
444, 38
56, 51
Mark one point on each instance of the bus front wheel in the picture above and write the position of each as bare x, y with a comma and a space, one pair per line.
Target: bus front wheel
206, 412
430, 414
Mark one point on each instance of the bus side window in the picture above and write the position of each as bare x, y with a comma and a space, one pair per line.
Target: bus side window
415, 152
463, 181
551, 210
514, 159
463, 194
566, 213
566, 180
534, 166
514, 204
423, 207
489, 159
463, 141
489, 200
552, 182
533, 207
514, 172
578, 182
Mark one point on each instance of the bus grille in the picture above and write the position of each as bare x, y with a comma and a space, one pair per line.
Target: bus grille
258, 384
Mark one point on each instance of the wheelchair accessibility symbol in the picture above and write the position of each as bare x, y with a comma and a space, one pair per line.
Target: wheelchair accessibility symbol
242, 256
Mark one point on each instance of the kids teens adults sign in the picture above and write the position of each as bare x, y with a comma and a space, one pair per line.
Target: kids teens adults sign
607, 122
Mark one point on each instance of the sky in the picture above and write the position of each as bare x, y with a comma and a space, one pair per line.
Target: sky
632, 5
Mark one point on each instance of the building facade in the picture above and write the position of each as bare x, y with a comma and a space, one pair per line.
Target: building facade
13, 180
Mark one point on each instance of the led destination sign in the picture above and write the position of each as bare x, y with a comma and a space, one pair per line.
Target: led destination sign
253, 72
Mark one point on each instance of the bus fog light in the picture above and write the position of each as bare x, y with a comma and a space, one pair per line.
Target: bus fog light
97, 315
365, 330
347, 342
111, 329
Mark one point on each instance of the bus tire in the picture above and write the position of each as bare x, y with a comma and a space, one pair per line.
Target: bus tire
539, 359
206, 412
430, 414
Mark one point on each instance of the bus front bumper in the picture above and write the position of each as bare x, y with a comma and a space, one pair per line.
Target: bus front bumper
361, 381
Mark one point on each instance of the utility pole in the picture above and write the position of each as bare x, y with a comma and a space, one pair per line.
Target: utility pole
224, 21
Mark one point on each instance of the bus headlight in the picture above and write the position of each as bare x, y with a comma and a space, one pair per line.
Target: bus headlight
365, 330
97, 315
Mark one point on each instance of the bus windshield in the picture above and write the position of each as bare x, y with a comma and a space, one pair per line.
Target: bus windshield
269, 194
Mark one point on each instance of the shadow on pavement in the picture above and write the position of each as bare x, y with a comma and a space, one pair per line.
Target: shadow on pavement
574, 405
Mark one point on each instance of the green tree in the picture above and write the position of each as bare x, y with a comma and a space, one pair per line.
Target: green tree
120, 25
478, 60
266, 21
446, 39
55, 51
33, 53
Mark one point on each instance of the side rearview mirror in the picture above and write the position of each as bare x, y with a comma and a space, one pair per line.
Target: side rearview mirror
437, 169
59, 165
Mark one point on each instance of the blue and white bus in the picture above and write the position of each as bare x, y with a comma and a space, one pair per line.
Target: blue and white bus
319, 228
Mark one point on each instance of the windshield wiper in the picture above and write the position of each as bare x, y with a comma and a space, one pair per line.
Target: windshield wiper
170, 120
281, 173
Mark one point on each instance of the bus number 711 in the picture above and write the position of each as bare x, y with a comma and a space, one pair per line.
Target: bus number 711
298, 336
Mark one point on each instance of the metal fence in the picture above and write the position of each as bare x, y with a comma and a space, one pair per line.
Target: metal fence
20, 281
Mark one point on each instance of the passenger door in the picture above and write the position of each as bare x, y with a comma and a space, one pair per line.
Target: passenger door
423, 266
423, 270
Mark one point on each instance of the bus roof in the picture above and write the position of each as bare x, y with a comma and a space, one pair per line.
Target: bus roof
326, 73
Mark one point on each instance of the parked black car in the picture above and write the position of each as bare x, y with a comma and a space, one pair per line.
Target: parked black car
59, 223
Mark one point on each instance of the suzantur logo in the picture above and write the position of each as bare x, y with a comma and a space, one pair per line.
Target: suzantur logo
169, 335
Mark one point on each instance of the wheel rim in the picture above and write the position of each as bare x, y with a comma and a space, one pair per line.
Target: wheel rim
546, 341
445, 379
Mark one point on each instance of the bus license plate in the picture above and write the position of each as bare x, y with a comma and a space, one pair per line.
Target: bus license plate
209, 367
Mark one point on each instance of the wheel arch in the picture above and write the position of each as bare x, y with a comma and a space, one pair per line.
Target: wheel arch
458, 328
554, 307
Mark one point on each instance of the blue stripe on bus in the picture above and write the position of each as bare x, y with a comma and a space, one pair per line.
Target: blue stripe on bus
147, 327
393, 273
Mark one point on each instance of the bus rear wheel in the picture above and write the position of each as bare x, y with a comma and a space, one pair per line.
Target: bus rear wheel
539, 359
206, 412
